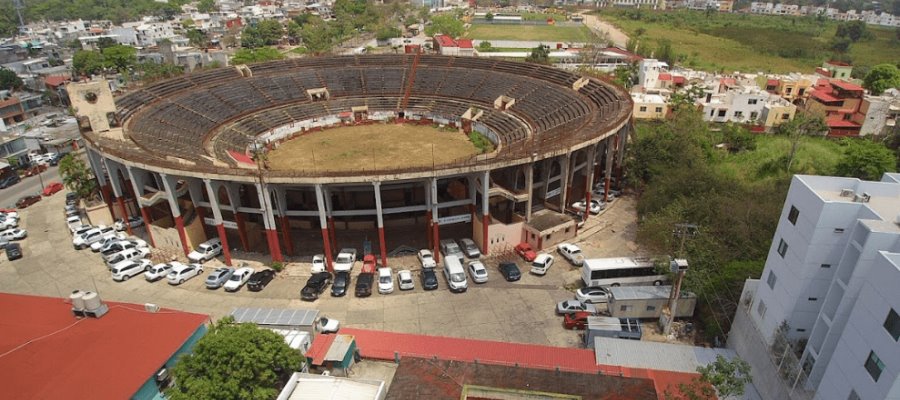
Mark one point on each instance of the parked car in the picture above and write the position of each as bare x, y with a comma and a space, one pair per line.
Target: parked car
9, 181
206, 251
131, 222
8, 223
52, 188
71, 198
455, 274
470, 248
315, 286
318, 263
13, 234
345, 259
340, 284
328, 325
478, 271
592, 294
92, 236
260, 279
13, 251
365, 279
238, 279
571, 306
426, 258
128, 254
385, 280
404, 277
595, 208
110, 250
525, 251
160, 271
450, 248
510, 271
541, 264
218, 277
571, 252
9, 213
108, 238
127, 269
429, 279
73, 222
26, 201
181, 273
576, 320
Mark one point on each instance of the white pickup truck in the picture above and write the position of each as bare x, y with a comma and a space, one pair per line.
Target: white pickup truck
345, 259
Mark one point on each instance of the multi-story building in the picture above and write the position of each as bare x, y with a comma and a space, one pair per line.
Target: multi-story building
649, 70
746, 105
839, 103
831, 281
879, 113
791, 87
649, 106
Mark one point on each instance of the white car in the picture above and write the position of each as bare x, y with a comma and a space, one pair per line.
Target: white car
206, 251
238, 279
478, 272
132, 222
345, 260
73, 222
13, 234
596, 206
592, 295
573, 306
328, 325
572, 253
426, 258
541, 264
404, 277
109, 238
79, 229
88, 238
385, 281
10, 214
127, 269
181, 273
160, 271
7, 223
127, 254
318, 263
111, 249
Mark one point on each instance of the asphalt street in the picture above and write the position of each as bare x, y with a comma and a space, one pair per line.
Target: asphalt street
29, 185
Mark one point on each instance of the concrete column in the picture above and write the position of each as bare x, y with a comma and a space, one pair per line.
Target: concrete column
428, 221
529, 188
96, 166
485, 211
265, 199
435, 223
545, 177
621, 141
212, 193
588, 178
328, 208
380, 219
564, 181
119, 191
145, 213
609, 167
323, 222
281, 204
235, 201
108, 191
171, 185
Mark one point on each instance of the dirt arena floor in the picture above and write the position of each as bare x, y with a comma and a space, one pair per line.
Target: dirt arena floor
371, 147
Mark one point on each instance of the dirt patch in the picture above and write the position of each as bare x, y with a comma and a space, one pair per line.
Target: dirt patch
371, 147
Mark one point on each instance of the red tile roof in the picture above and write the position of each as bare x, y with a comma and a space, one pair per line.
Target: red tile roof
383, 345
844, 85
841, 123
46, 353
838, 63
445, 41
10, 101
823, 96
319, 348
55, 80
665, 77
772, 82
465, 43
678, 80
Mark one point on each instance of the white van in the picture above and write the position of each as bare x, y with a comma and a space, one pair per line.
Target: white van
455, 274
541, 264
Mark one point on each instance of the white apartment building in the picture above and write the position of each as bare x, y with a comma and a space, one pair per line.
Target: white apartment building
648, 73
743, 105
881, 113
833, 275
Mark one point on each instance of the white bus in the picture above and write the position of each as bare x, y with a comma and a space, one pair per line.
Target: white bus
621, 271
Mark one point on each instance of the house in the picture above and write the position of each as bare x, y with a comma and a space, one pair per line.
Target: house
447, 46
743, 104
335, 353
649, 106
11, 111
881, 113
791, 87
835, 69
547, 228
839, 103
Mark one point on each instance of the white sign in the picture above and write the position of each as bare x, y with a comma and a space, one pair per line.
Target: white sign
554, 192
455, 219
227, 224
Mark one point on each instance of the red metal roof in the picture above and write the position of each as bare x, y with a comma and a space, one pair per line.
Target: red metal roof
772, 82
665, 77
838, 63
445, 41
319, 348
841, 123
55, 80
46, 353
844, 85
10, 101
823, 96
241, 157
383, 346
465, 43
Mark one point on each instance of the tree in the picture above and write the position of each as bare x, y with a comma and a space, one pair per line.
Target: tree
120, 57
105, 42
738, 138
684, 98
882, 77
387, 32
446, 24
87, 62
485, 46
539, 55
206, 6
317, 36
723, 378
9, 80
853, 30
795, 129
234, 361
152, 71
865, 160
249, 56
839, 45
626, 75
196, 37
265, 33
489, 17
664, 52
76, 176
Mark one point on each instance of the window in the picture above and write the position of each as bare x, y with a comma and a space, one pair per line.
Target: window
712, 112
761, 309
643, 108
788, 90
722, 113
782, 247
771, 280
892, 324
801, 330
785, 116
751, 101
659, 109
813, 298
874, 366
754, 115
793, 214
826, 265
651, 308
800, 92
738, 114
626, 308
838, 230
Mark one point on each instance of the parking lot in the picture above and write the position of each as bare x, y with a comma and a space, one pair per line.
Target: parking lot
521, 311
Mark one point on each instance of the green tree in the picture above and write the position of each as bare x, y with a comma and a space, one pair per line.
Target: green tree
387, 32
317, 36
105, 42
489, 17
864, 159
738, 138
664, 52
76, 176
539, 55
120, 57
839, 45
87, 62
802, 125
196, 37
685, 97
249, 56
206, 6
152, 71
853, 30
234, 361
9, 80
446, 24
723, 378
265, 33
882, 77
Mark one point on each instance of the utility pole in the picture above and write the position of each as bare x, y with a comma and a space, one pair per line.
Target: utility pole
678, 266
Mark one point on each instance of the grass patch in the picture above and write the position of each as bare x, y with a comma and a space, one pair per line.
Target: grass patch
481, 143
815, 156
548, 33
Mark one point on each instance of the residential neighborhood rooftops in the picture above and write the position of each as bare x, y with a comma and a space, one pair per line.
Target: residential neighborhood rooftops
844, 85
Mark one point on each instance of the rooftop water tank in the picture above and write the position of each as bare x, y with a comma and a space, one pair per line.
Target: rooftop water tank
91, 301
77, 299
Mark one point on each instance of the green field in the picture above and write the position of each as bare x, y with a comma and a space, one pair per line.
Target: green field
815, 156
748, 43
546, 33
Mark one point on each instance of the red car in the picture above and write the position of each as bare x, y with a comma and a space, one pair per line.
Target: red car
27, 201
368, 264
525, 251
576, 320
52, 188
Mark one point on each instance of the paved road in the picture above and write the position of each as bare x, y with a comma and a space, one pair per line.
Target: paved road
29, 185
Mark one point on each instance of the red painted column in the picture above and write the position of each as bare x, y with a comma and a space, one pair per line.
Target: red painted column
428, 229
327, 246
274, 247
107, 197
179, 224
242, 230
331, 232
146, 216
383, 247
286, 235
485, 224
587, 204
121, 202
226, 251
436, 232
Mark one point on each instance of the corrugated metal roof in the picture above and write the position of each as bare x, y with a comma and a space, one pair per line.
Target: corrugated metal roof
339, 347
275, 316
604, 323
319, 348
318, 387
659, 356
639, 292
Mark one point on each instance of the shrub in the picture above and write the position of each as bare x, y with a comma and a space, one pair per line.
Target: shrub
277, 266
481, 143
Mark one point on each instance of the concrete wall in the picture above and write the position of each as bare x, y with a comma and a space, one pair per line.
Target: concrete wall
165, 234
195, 233
503, 238
99, 214
95, 110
